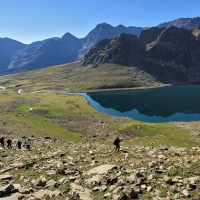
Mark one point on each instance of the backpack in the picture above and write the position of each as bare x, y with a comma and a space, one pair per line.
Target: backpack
115, 142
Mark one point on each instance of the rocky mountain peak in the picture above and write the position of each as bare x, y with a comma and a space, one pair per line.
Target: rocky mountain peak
103, 31
102, 25
69, 36
120, 26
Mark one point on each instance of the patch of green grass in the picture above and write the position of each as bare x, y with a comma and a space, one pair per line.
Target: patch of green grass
156, 134
42, 126
25, 107
22, 121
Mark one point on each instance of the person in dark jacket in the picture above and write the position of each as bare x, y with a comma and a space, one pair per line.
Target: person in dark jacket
9, 142
19, 144
117, 143
2, 141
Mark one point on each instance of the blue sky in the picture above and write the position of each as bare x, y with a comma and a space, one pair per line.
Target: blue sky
32, 20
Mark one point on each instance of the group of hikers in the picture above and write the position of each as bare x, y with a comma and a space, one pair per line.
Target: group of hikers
27, 143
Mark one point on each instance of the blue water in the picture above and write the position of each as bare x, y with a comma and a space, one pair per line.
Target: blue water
171, 103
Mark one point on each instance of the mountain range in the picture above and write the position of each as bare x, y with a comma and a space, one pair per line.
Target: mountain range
16, 56
54, 51
171, 55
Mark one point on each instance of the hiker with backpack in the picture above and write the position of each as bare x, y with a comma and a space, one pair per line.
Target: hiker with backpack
28, 144
9, 143
117, 143
19, 144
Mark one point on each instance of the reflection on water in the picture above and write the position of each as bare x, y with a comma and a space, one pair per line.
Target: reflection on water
172, 103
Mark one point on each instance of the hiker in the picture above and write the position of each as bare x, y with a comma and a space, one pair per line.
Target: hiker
117, 143
28, 144
9, 142
19, 144
24, 143
2, 141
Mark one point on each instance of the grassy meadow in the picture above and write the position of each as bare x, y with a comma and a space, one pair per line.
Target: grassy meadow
65, 116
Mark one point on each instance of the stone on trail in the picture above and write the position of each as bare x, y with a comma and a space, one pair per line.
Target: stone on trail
193, 180
14, 196
131, 179
83, 193
117, 190
12, 166
168, 180
95, 180
149, 188
62, 180
51, 172
162, 157
107, 195
91, 152
51, 183
102, 169
116, 197
39, 194
45, 193
41, 181
5, 177
185, 193
24, 190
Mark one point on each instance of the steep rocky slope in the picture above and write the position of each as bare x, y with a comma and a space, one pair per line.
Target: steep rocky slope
172, 55
58, 169
8, 49
102, 31
51, 52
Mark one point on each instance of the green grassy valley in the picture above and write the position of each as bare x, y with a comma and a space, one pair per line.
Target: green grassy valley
74, 77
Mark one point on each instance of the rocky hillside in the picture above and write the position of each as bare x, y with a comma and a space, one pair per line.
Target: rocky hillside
182, 23
51, 52
171, 55
58, 169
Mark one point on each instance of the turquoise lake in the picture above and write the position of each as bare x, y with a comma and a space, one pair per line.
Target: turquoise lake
164, 104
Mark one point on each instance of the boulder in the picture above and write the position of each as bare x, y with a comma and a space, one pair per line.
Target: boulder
5, 177
83, 193
102, 169
6, 189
